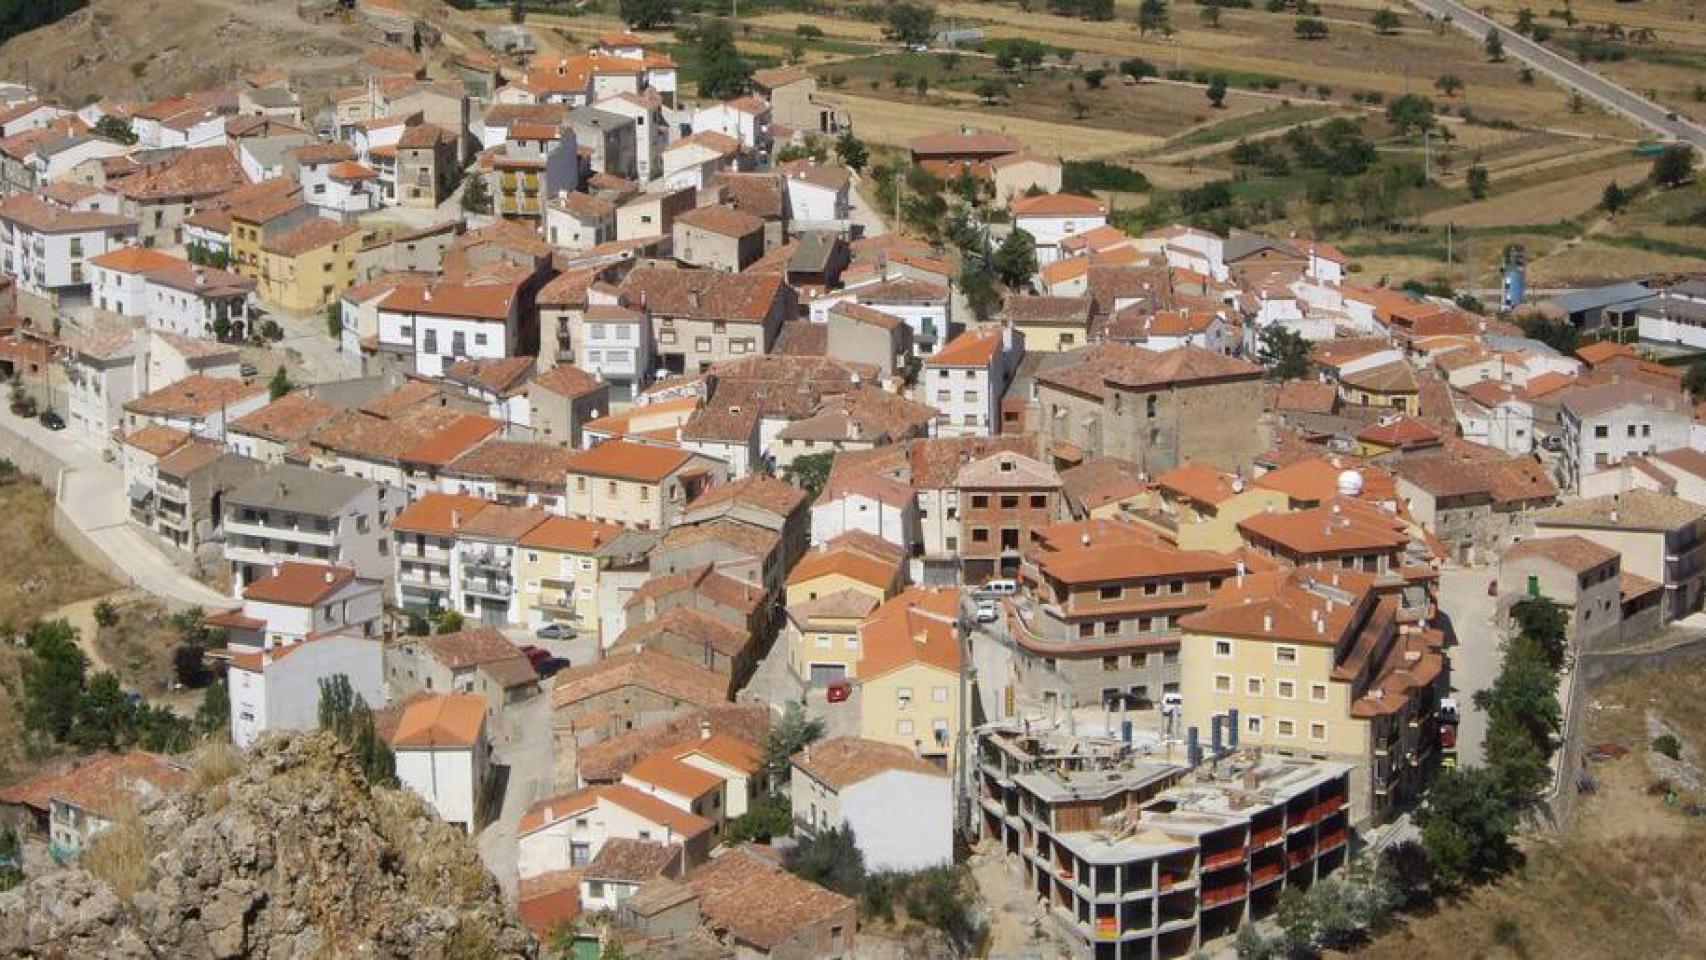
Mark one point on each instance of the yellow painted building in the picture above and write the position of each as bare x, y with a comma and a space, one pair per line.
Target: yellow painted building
638, 486
308, 266
1315, 664
909, 684
823, 636
556, 573
1207, 505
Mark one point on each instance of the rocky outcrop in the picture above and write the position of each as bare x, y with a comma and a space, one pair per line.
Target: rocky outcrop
293, 857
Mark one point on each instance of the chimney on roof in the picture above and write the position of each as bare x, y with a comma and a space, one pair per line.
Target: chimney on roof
455, 519
426, 294
704, 729
694, 299
329, 575
1267, 623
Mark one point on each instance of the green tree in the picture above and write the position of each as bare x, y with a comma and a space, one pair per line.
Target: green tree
1466, 823
214, 714
1217, 91
106, 613
789, 735
852, 152
1476, 179
1410, 113
1138, 68
1386, 21
1614, 199
280, 384
448, 621
1094, 77
105, 719
646, 14
1673, 167
114, 127
1210, 15
1494, 45
1694, 379
1525, 21
1561, 335
830, 859
921, 86
476, 197
54, 678
989, 89
810, 472
1545, 623
1285, 353
1449, 84
335, 319
767, 817
1152, 17
909, 22
723, 72
1309, 28
345, 714
978, 286
1016, 259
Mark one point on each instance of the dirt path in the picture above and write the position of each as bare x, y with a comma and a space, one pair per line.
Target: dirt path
81, 616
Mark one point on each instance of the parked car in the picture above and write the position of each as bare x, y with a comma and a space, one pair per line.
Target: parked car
552, 666
555, 631
838, 692
997, 588
52, 420
247, 370
535, 655
987, 613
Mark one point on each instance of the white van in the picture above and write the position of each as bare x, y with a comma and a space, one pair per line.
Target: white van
998, 588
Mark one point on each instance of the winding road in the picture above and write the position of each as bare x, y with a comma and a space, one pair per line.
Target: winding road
1574, 76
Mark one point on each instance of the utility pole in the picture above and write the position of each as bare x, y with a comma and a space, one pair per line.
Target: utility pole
1427, 156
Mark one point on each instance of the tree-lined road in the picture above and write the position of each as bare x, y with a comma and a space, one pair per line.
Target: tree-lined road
1653, 116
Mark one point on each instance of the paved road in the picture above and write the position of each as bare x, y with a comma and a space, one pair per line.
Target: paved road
864, 215
92, 493
1653, 116
1475, 659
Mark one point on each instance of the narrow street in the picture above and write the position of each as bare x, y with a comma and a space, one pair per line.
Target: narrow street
1475, 660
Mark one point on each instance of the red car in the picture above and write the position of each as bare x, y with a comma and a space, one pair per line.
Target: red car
535, 655
839, 691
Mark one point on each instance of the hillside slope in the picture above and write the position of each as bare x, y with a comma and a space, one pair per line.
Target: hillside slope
293, 856
128, 50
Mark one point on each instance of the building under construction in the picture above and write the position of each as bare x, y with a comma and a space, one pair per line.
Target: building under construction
1134, 854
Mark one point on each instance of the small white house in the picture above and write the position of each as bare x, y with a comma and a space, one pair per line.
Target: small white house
818, 195
48, 248
443, 755
103, 374
1053, 217
693, 161
899, 807
280, 689
870, 503
746, 120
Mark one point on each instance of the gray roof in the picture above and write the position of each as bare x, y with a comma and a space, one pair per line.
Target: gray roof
1241, 244
299, 490
594, 117
1592, 401
272, 151
812, 251
1498, 341
1598, 298
273, 97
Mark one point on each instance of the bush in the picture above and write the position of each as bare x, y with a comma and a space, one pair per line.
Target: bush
1668, 745
106, 614
1087, 176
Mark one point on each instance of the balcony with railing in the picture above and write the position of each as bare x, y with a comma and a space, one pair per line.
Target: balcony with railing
488, 586
483, 559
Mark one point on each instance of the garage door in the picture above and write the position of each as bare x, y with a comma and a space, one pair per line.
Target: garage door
824, 674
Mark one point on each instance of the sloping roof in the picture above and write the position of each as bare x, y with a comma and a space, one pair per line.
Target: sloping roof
628, 460
647, 669
285, 420
438, 513
1574, 553
1636, 509
299, 584
104, 785
554, 809
764, 492
972, 348
968, 141
1058, 205
843, 761
667, 773
471, 648
441, 720
194, 396
1298, 605
722, 220
918, 625
1128, 560
752, 897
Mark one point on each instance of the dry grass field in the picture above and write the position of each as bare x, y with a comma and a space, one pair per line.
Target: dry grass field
1545, 202
1623, 880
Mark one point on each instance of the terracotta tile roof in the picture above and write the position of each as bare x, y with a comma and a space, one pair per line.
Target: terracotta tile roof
285, 420
918, 625
630, 861
951, 143
135, 259
107, 346
809, 171
746, 538
502, 523
1058, 205
157, 439
585, 206
35, 214
973, 348
1395, 377
902, 291
441, 514
505, 376
1126, 560
667, 773
688, 624
568, 380
183, 462
1577, 554
1685, 459
1593, 401
627, 460
194, 396
718, 143
758, 490
494, 301
707, 582
193, 173
1635, 510
1631, 585
448, 439
1314, 480
857, 312
571, 535
775, 77
471, 648
316, 153
752, 897
518, 461
1334, 527
299, 584
1073, 311
1400, 433
1006, 470
311, 235
735, 732
841, 762
867, 414
723, 220
442, 720
851, 560
1101, 481
702, 294
1545, 384
646, 669
1293, 605
1594, 354
105, 785
558, 808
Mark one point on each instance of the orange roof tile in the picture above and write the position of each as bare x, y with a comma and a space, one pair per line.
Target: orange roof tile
919, 625
299, 584
570, 535
667, 773
442, 720
628, 460
441, 514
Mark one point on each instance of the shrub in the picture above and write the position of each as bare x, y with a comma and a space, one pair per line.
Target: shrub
1668, 745
119, 856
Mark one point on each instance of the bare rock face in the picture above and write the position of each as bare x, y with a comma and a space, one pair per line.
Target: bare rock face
293, 857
